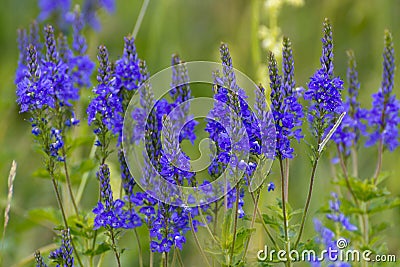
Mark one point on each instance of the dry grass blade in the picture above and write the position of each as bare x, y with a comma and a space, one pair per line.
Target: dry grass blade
11, 178
331, 132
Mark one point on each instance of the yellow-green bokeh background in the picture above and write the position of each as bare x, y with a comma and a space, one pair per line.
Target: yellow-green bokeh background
194, 29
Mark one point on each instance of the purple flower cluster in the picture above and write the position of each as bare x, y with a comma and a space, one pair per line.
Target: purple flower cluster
230, 96
34, 90
128, 182
351, 127
114, 89
56, 144
57, 72
81, 65
39, 260
48, 81
110, 213
60, 10
106, 108
286, 110
180, 93
324, 90
54, 8
384, 118
127, 71
63, 255
167, 224
337, 216
90, 8
326, 236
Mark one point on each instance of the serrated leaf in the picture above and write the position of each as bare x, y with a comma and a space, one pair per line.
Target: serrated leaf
376, 229
380, 205
295, 212
241, 236
365, 190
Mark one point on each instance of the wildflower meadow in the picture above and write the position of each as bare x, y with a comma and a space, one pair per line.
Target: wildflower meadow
199, 133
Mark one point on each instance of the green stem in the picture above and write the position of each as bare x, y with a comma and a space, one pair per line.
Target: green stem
253, 219
114, 247
207, 227
93, 245
139, 247
203, 254
379, 162
346, 176
354, 157
263, 223
285, 221
287, 180
174, 258
307, 205
151, 259
180, 259
235, 223
215, 216
165, 259
53, 180
85, 176
68, 181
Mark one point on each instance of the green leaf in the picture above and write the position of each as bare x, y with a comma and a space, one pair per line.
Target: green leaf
241, 236
376, 229
295, 212
226, 235
365, 190
380, 205
81, 141
100, 249
41, 173
82, 167
47, 214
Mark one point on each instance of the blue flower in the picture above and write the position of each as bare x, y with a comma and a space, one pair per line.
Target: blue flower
271, 186
57, 144
90, 8
106, 108
128, 182
127, 71
351, 127
383, 118
57, 8
110, 213
81, 65
337, 216
180, 93
34, 90
328, 238
57, 71
39, 260
324, 90
63, 255
286, 110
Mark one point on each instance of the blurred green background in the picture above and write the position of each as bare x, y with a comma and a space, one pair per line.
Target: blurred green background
194, 29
